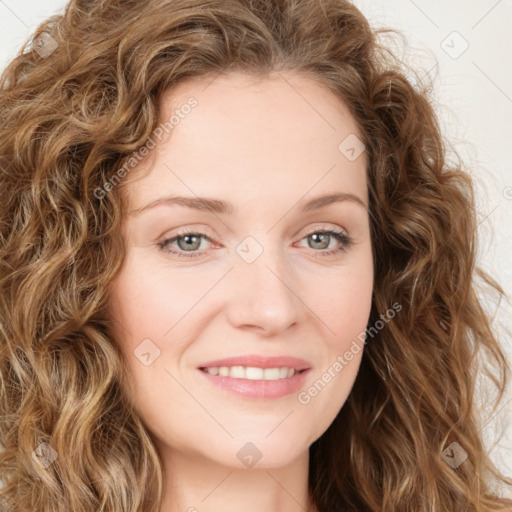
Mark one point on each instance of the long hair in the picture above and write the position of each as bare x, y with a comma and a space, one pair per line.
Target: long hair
78, 101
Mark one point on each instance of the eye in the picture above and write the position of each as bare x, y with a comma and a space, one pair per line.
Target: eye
189, 242
320, 240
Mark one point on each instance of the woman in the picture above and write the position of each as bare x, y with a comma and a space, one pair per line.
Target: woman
236, 269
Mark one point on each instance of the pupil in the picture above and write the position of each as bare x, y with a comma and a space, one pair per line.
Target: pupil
316, 236
189, 241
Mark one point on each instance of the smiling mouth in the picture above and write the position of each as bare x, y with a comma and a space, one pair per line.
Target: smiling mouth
270, 380
252, 372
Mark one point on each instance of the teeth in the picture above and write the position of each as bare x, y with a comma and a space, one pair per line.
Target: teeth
237, 372
271, 373
251, 373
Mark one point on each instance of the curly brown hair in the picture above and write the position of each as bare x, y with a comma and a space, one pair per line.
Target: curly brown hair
77, 106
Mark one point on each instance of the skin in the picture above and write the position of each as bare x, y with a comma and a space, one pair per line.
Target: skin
265, 146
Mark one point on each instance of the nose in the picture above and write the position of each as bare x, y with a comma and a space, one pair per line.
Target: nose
262, 296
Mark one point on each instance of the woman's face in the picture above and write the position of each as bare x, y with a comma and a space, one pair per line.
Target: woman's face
256, 282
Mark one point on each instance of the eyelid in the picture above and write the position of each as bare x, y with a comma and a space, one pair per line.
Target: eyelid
209, 233
324, 227
185, 231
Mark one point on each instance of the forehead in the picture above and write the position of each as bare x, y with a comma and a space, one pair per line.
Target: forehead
251, 137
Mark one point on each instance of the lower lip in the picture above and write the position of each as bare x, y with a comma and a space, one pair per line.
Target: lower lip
259, 388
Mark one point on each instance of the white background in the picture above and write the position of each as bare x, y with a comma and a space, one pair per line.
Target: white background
473, 100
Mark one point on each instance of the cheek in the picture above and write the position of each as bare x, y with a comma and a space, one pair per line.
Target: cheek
349, 316
343, 304
344, 308
148, 300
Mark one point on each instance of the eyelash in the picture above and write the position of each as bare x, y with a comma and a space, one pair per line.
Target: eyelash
340, 236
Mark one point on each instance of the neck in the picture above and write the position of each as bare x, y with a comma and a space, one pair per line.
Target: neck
193, 483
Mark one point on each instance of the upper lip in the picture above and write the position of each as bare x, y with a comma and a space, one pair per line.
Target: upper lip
259, 361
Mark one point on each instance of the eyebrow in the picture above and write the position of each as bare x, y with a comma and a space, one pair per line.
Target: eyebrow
223, 207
